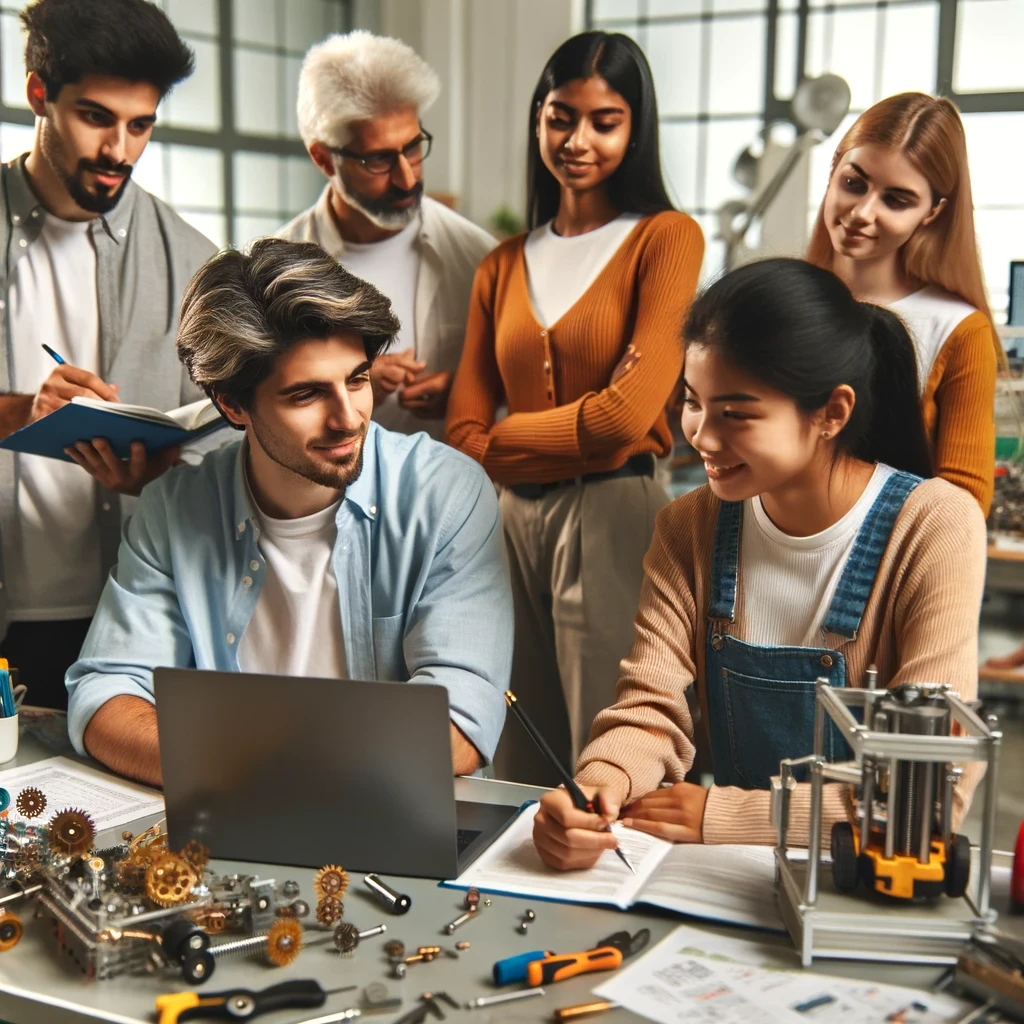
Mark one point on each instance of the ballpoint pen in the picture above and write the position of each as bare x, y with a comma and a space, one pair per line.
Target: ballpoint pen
580, 802
55, 355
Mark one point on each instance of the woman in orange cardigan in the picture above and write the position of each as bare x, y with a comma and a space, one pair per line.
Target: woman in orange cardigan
897, 225
575, 328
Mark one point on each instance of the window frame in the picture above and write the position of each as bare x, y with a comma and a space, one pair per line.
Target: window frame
227, 139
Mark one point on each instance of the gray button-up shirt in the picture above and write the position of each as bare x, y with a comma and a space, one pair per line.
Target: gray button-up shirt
145, 256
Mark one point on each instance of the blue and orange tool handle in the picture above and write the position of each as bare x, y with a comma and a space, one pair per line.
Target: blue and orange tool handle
541, 966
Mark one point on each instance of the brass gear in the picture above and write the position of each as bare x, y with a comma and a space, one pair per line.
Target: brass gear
131, 873
169, 880
329, 910
31, 802
346, 938
284, 940
331, 881
196, 854
394, 948
10, 930
27, 862
71, 832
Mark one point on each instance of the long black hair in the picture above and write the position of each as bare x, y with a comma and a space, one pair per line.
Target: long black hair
799, 330
636, 186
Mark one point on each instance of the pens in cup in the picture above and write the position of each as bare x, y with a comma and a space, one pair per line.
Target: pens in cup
580, 802
55, 355
7, 707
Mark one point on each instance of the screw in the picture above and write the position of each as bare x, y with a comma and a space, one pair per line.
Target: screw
241, 947
472, 898
459, 922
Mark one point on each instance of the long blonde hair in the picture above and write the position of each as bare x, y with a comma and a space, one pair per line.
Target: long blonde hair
929, 132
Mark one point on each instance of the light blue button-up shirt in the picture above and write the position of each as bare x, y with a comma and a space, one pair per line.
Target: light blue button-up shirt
423, 582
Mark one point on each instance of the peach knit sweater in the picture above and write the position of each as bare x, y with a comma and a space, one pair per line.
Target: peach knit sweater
920, 624
589, 391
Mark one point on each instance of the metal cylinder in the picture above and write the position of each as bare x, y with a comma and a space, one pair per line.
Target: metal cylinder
396, 902
867, 801
240, 947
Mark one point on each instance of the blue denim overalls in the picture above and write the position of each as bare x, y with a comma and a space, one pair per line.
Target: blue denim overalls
761, 698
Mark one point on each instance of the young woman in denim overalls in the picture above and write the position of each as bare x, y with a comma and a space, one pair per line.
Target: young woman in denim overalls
820, 545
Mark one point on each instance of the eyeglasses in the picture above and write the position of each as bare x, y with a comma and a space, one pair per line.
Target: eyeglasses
384, 160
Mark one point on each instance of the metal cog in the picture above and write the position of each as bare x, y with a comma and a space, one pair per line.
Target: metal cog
329, 910
71, 832
331, 881
131, 873
284, 940
196, 854
346, 938
31, 802
169, 880
27, 862
394, 947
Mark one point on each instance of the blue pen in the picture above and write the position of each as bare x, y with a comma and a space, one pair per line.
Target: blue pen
54, 354
7, 708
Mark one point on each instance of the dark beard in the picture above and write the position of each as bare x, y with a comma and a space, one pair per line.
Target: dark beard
92, 202
337, 477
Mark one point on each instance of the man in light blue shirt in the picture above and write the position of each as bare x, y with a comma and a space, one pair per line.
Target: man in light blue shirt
320, 545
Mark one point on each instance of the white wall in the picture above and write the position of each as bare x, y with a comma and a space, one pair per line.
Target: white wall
489, 54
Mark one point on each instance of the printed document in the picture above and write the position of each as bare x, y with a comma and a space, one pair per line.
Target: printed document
110, 802
700, 978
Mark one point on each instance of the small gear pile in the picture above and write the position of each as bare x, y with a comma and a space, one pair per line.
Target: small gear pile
284, 940
197, 855
71, 832
329, 911
170, 880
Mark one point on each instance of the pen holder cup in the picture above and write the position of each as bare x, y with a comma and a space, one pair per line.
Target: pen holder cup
8, 738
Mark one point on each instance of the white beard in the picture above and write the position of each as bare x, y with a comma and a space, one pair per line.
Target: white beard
392, 220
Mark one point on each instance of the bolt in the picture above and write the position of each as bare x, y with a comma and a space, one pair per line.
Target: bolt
459, 922
241, 947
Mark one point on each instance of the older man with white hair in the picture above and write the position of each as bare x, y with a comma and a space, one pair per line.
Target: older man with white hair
361, 99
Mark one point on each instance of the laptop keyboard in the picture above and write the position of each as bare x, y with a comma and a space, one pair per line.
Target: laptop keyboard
464, 837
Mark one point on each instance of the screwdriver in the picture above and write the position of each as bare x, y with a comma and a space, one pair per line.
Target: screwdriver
243, 1003
568, 965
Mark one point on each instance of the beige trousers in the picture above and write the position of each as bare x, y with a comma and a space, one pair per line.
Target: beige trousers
576, 558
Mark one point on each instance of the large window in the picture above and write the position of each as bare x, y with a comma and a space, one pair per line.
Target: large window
226, 153
726, 69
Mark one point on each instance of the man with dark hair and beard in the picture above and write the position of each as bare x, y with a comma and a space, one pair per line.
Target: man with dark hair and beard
92, 266
360, 101
321, 545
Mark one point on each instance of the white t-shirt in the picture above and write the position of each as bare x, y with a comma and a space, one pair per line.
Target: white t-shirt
54, 569
295, 628
392, 267
931, 316
786, 584
559, 270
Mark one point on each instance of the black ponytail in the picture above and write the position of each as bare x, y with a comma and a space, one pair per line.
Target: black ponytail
799, 330
895, 431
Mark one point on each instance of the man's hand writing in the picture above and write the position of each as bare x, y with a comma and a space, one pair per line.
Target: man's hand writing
67, 382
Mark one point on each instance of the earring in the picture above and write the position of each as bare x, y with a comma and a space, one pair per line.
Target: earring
826, 434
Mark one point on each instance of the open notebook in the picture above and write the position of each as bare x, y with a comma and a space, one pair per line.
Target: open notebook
85, 418
732, 884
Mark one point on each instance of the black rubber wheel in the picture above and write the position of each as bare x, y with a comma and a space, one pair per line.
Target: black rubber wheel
182, 937
198, 967
958, 865
845, 871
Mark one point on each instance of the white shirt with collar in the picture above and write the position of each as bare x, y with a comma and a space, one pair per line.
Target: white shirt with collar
445, 251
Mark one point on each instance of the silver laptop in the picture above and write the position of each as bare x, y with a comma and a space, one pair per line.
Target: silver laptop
308, 772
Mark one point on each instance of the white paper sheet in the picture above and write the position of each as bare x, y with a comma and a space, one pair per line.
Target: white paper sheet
108, 801
703, 978
512, 865
723, 883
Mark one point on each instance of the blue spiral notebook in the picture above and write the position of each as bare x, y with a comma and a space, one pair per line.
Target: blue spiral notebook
82, 419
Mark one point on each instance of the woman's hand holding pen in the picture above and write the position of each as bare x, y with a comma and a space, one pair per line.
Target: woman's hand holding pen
67, 382
675, 813
570, 839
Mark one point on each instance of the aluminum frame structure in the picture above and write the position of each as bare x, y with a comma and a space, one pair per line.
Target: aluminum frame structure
827, 924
